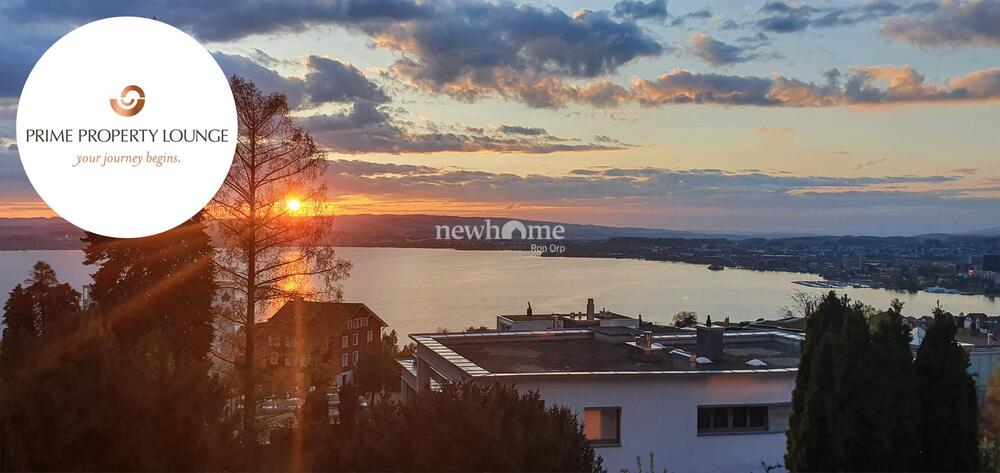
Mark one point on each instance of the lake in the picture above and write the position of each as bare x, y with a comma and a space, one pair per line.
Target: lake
421, 290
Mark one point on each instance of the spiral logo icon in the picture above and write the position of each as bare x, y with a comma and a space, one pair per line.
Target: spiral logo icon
129, 106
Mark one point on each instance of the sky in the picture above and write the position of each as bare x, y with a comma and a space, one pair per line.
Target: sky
838, 117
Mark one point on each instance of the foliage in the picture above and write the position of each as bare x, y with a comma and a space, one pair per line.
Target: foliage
685, 318
126, 383
948, 425
851, 349
275, 160
464, 427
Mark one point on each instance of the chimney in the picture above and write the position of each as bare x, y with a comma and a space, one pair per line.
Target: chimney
529, 309
647, 339
708, 341
590, 308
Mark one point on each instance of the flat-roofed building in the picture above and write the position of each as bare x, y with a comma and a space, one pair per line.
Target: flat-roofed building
699, 400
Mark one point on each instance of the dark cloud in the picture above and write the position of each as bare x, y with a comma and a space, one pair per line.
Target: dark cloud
334, 81
788, 17
513, 50
226, 20
955, 23
327, 81
729, 24
718, 53
702, 14
522, 130
368, 128
639, 10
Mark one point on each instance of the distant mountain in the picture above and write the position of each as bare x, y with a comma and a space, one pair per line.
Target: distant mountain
424, 227
992, 231
38, 234
369, 230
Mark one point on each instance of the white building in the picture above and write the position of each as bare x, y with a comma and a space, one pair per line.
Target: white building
701, 400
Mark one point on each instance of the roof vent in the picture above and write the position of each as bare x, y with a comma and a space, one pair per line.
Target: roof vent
756, 362
701, 360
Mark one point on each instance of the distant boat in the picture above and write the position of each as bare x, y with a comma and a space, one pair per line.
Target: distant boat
941, 290
716, 267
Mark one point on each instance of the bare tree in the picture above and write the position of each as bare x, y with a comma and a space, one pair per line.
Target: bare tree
685, 318
271, 218
802, 304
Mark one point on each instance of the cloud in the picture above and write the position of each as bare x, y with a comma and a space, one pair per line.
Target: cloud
692, 198
871, 85
718, 53
869, 163
327, 80
780, 131
701, 14
790, 17
477, 48
368, 128
639, 10
955, 23
521, 130
226, 20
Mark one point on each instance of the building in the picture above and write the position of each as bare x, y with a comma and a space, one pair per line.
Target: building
724, 394
304, 334
991, 263
591, 318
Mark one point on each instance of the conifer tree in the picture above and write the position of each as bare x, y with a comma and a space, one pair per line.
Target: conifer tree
948, 424
808, 424
892, 394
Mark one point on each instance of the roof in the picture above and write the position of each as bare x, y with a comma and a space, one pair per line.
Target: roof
309, 311
604, 314
577, 352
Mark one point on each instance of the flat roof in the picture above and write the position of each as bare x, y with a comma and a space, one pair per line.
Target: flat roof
576, 352
572, 315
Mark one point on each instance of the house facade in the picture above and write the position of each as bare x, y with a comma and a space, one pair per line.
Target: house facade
304, 339
724, 394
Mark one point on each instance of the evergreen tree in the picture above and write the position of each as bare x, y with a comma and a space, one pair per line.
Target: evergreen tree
809, 428
853, 427
948, 424
156, 293
51, 298
20, 328
892, 394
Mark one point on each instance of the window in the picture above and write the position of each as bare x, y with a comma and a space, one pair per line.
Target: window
355, 339
355, 357
343, 341
733, 419
289, 361
274, 359
274, 340
601, 425
289, 341
370, 336
343, 360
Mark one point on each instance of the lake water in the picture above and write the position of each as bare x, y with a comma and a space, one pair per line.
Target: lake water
421, 290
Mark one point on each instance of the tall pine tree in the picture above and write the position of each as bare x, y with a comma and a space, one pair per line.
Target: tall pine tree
892, 393
949, 436
809, 423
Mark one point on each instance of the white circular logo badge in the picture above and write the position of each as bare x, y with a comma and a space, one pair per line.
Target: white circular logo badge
126, 127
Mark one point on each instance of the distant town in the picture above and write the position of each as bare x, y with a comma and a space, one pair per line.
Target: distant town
942, 263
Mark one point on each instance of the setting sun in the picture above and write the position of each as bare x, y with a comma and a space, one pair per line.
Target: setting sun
293, 205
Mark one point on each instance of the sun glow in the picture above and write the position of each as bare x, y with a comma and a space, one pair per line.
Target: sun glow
293, 205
